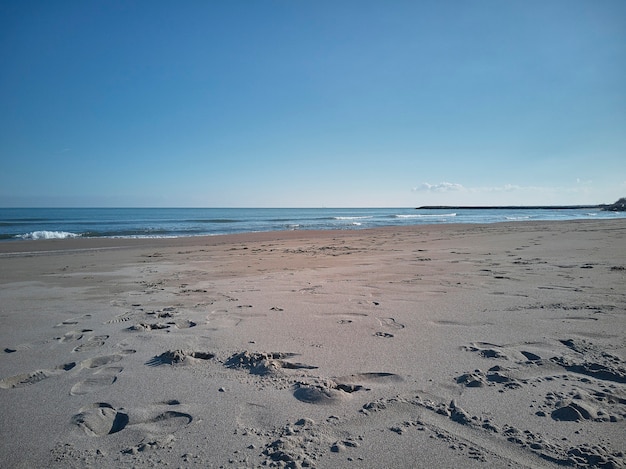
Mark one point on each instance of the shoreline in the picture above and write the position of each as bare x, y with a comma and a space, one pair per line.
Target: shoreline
512, 207
40, 224
494, 345
17, 246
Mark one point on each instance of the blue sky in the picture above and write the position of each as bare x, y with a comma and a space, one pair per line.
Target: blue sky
312, 103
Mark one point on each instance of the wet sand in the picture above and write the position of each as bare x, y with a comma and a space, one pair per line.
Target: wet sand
500, 345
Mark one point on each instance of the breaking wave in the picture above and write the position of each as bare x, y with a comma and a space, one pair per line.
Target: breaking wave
48, 235
52, 223
427, 215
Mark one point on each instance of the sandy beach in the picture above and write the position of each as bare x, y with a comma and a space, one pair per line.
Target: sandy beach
475, 346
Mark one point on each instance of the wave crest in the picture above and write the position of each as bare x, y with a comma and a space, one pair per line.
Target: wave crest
427, 215
48, 235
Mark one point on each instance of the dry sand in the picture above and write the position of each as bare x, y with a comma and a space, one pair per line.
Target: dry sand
498, 345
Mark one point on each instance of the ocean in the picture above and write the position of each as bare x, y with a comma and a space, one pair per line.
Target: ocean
50, 223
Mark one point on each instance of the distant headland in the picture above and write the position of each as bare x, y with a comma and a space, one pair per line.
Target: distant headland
619, 206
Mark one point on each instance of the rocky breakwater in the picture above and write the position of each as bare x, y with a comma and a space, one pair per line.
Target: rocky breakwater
619, 206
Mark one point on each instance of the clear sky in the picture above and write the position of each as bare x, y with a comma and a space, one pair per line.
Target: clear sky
312, 103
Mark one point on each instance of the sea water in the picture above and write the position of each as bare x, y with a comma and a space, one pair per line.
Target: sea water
48, 223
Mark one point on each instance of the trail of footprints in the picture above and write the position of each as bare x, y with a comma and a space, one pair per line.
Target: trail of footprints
87, 341
582, 383
89, 385
101, 418
514, 366
105, 375
162, 421
27, 379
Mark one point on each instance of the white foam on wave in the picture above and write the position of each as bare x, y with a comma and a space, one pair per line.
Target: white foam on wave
517, 218
48, 235
428, 215
351, 218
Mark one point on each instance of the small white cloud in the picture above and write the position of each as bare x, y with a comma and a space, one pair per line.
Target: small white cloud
505, 188
441, 187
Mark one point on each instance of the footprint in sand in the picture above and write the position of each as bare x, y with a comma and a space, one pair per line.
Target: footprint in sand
26, 379
386, 335
72, 336
91, 344
496, 375
164, 424
326, 392
100, 419
73, 321
100, 379
159, 326
390, 323
320, 394
186, 324
504, 352
591, 360
120, 318
97, 362
167, 312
